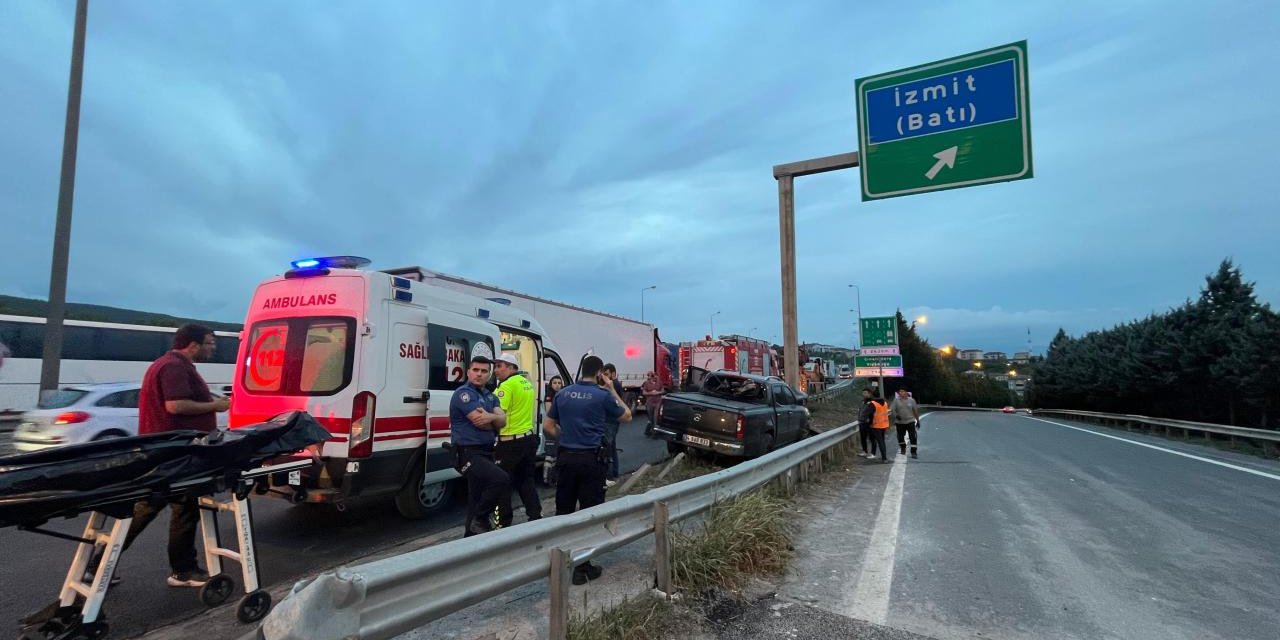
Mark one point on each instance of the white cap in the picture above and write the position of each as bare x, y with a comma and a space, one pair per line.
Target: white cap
509, 359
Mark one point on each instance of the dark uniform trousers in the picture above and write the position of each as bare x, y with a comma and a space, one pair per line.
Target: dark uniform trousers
581, 479
519, 458
486, 485
905, 431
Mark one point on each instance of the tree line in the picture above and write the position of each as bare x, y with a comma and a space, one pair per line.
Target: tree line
1212, 359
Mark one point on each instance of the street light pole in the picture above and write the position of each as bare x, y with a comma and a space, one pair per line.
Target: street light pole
642, 299
858, 291
51, 358
713, 324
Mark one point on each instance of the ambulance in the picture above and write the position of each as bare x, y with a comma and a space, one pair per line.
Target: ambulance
375, 358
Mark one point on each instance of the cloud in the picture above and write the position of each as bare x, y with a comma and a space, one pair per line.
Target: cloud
582, 152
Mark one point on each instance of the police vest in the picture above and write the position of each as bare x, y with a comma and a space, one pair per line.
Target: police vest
881, 418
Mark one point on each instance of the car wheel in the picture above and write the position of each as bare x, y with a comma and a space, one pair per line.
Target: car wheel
770, 441
109, 434
418, 498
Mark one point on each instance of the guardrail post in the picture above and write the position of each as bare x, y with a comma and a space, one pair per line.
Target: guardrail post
662, 546
671, 465
561, 578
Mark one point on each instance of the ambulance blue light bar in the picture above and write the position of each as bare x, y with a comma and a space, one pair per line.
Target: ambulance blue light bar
331, 262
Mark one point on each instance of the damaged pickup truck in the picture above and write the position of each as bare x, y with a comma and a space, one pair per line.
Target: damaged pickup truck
733, 414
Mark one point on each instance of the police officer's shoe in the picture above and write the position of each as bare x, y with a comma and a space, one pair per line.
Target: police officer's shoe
586, 571
902, 448
913, 454
478, 526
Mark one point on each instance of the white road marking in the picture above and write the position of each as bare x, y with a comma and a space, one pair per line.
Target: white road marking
1166, 450
870, 599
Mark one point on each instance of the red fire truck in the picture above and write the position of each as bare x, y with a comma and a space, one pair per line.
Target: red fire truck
735, 353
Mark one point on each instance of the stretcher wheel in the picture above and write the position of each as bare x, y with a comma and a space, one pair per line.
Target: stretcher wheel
217, 590
253, 606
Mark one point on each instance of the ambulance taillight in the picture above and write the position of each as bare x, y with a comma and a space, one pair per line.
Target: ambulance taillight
363, 414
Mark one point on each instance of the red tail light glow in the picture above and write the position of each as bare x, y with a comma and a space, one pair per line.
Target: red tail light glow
363, 414
742, 427
71, 417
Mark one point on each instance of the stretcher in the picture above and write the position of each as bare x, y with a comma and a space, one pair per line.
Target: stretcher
106, 479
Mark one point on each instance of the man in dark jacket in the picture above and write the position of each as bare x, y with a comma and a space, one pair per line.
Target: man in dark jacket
865, 414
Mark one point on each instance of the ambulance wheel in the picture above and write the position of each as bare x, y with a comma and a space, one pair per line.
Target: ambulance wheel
417, 500
217, 590
253, 606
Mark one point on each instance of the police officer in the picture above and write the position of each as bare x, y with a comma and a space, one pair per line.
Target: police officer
577, 418
474, 420
517, 449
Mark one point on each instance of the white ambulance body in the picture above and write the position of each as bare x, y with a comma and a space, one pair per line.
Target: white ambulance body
375, 358
632, 346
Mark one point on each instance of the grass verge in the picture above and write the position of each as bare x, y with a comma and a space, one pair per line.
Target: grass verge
739, 539
747, 536
646, 617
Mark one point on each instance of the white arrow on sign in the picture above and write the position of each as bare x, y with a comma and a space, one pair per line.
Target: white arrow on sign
945, 157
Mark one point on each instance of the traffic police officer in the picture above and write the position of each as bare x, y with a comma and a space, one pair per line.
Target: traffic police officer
474, 421
517, 449
577, 418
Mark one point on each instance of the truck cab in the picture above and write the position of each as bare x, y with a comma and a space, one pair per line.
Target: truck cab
375, 358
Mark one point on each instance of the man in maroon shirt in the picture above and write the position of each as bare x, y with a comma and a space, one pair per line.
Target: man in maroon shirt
174, 397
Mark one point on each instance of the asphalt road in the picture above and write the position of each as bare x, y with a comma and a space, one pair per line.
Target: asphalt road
292, 541
1009, 527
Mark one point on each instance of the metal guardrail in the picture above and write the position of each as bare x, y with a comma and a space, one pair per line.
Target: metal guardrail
1264, 436
387, 597
831, 392
1268, 439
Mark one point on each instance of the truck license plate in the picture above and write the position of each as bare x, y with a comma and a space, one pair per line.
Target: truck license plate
295, 478
706, 442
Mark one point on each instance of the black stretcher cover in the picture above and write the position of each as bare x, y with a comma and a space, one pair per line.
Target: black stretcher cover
111, 475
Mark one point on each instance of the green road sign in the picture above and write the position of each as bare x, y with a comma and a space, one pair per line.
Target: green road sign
880, 332
957, 122
877, 362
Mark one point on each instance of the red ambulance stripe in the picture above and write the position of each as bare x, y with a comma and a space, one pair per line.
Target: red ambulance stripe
398, 436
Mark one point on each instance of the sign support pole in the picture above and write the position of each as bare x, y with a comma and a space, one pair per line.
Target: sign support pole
785, 174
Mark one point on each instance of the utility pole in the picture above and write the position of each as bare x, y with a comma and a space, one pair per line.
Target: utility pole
51, 360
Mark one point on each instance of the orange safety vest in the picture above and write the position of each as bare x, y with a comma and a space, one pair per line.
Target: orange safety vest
881, 418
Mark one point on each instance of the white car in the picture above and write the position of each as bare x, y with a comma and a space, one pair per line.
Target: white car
81, 413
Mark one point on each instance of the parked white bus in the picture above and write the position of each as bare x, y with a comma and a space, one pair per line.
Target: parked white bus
95, 352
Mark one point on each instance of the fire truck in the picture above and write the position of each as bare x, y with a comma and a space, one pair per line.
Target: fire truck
733, 353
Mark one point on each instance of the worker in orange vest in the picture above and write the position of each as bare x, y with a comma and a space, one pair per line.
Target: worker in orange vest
879, 424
